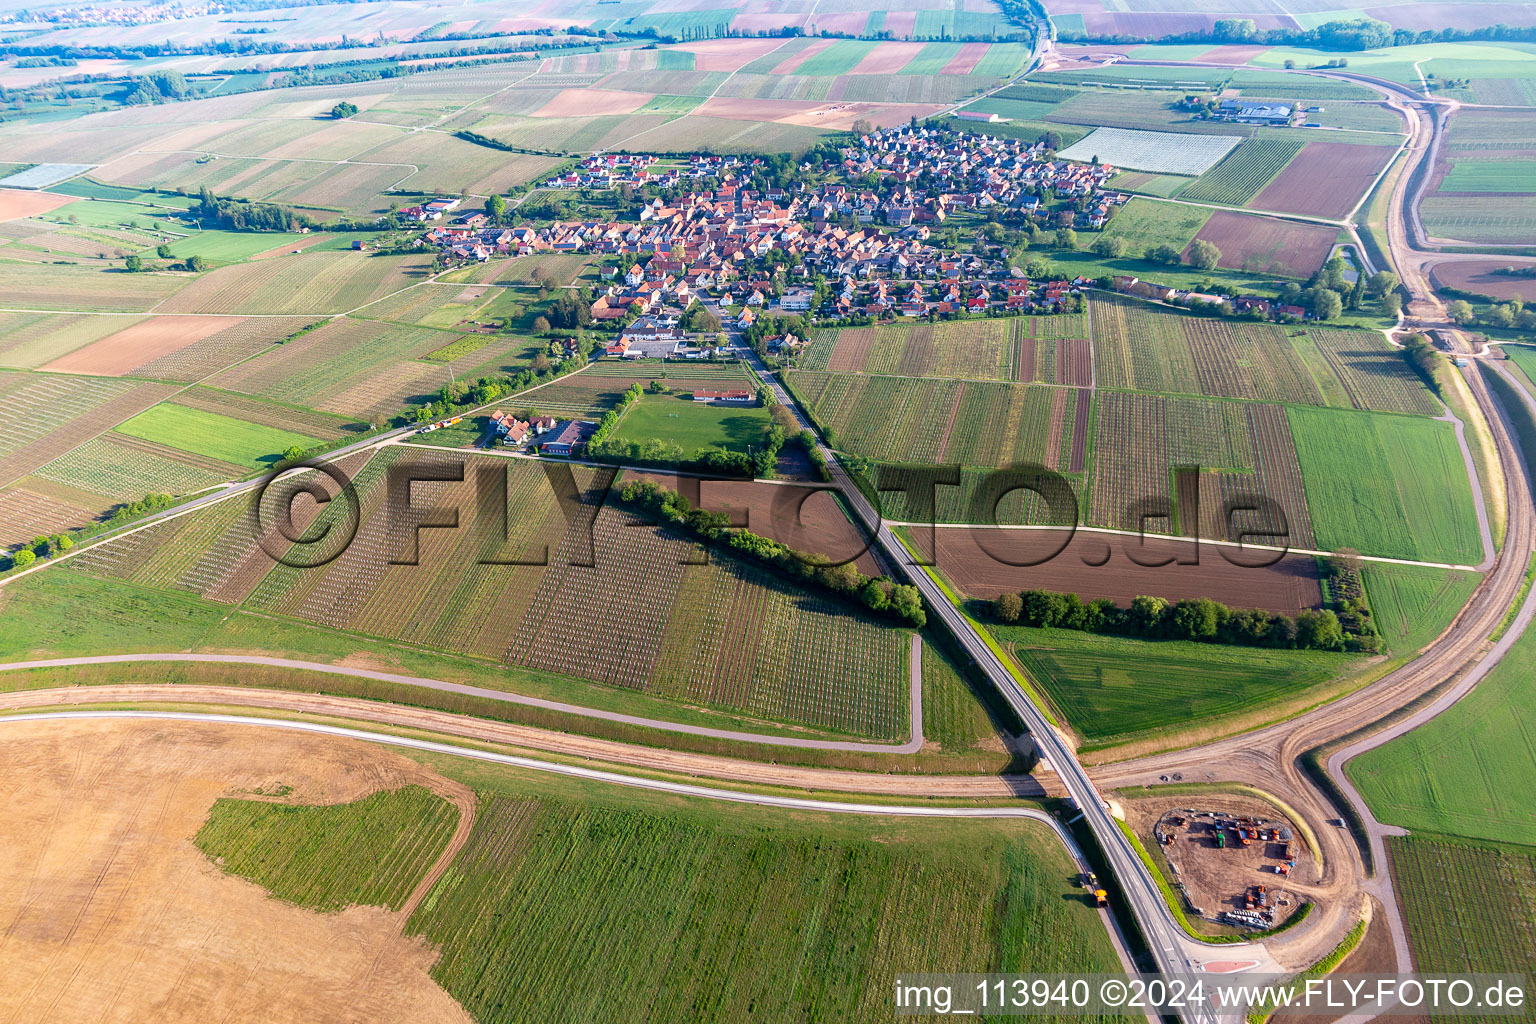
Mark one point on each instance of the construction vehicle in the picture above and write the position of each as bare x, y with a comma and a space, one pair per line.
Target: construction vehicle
1100, 898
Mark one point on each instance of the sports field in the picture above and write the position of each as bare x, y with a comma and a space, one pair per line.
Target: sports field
694, 425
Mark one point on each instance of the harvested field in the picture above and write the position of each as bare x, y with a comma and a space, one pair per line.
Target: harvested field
1263, 245
1482, 277
1326, 179
18, 203
808, 519
144, 342
102, 933
588, 102
976, 560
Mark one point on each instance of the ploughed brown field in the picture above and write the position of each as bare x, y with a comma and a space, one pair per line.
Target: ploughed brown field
15, 202
1262, 244
1326, 179
587, 102
728, 54
806, 518
975, 560
1479, 276
142, 343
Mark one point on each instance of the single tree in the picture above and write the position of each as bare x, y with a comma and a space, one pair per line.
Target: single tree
134, 263
343, 110
1007, 607
1203, 254
1110, 246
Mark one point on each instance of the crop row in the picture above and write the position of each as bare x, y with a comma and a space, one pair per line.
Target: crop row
372, 852
1245, 171
1375, 377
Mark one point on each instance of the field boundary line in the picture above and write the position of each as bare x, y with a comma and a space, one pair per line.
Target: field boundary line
910, 746
1168, 536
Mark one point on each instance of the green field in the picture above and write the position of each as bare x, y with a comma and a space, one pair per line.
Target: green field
1466, 772
1386, 485
837, 59
57, 614
694, 425
372, 852
1144, 223
1112, 688
1469, 175
207, 433
570, 900
1412, 604
1244, 172
230, 246
1469, 907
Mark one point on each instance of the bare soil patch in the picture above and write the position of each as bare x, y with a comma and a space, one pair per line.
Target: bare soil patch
887, 58
789, 64
976, 560
728, 54
1219, 878
16, 203
1326, 179
590, 102
142, 343
114, 915
806, 518
1266, 245
1232, 54
1480, 276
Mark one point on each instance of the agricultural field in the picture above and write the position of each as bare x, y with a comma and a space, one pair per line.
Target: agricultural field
91, 289
1140, 347
120, 467
515, 590
1468, 906
1158, 152
694, 425
984, 563
895, 419
1480, 188
1051, 349
44, 415
1144, 223
1325, 179
686, 896
1110, 689
1386, 485
1480, 746
309, 283
1412, 604
1244, 172
209, 434
371, 852
1265, 245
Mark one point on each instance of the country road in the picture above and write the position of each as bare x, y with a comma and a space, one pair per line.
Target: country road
911, 745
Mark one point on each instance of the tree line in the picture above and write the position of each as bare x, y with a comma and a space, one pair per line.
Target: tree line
1201, 620
898, 602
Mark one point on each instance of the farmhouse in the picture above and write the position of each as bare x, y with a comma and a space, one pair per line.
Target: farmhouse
735, 397
508, 427
566, 438
1254, 113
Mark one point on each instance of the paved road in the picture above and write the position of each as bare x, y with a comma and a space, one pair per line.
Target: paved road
911, 746
1172, 951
